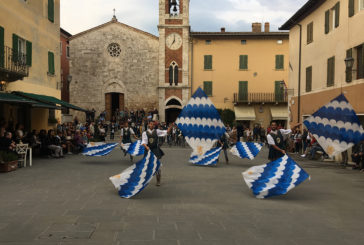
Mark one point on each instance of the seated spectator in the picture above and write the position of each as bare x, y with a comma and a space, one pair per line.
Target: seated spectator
70, 146
61, 141
358, 156
53, 143
6, 142
79, 141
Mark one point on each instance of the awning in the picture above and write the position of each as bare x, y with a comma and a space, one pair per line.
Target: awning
12, 98
49, 99
244, 113
279, 112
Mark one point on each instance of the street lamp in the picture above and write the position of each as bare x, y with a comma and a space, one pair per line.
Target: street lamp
349, 63
2, 86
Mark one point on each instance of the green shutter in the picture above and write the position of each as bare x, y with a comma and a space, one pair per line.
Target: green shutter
360, 55
50, 63
208, 62
331, 71
351, 8
2, 47
15, 47
349, 71
243, 62
29, 53
327, 21
337, 14
243, 91
279, 62
278, 91
51, 10
207, 87
171, 75
308, 79
310, 33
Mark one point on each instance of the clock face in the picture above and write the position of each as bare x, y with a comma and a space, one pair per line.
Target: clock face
174, 41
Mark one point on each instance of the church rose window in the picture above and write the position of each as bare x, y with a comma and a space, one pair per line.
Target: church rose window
114, 49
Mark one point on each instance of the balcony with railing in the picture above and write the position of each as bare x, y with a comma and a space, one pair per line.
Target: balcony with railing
13, 65
260, 98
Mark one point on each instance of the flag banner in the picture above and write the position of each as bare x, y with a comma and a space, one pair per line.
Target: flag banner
246, 149
135, 178
209, 159
335, 126
200, 123
99, 149
275, 178
125, 147
136, 148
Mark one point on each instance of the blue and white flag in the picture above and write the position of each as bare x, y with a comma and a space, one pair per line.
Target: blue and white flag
209, 159
335, 126
246, 149
98, 149
200, 123
135, 178
136, 148
274, 178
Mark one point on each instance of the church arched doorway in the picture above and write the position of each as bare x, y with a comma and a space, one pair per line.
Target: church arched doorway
114, 102
173, 109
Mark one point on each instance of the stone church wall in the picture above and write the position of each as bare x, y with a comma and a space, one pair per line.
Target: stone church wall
95, 72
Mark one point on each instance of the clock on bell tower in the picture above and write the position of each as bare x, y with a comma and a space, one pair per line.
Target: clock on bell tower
174, 31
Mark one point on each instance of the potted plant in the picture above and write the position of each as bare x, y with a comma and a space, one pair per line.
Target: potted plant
8, 161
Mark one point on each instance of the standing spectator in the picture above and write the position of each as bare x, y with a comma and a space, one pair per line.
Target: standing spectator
256, 132
224, 143
112, 130
358, 156
298, 141
263, 137
305, 139
240, 132
79, 141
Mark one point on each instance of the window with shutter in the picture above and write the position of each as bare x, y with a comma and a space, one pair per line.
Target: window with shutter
15, 48
310, 33
279, 62
2, 47
208, 62
360, 63
51, 10
309, 79
349, 71
51, 63
243, 91
337, 14
176, 75
327, 21
207, 87
331, 71
243, 62
29, 53
279, 90
351, 8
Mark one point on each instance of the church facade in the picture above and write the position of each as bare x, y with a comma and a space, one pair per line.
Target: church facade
116, 67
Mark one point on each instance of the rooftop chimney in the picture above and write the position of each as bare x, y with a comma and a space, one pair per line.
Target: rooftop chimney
266, 27
257, 27
222, 29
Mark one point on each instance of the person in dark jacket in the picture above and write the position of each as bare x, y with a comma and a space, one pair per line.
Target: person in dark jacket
224, 143
358, 156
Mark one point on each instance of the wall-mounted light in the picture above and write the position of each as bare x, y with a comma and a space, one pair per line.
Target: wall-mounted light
3, 86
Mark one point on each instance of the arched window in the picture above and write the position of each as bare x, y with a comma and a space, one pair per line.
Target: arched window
173, 74
174, 7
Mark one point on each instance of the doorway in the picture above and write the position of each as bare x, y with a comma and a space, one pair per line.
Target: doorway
113, 102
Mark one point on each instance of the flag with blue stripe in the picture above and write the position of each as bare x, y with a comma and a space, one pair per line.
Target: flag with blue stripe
135, 178
98, 149
200, 123
136, 148
246, 149
274, 178
210, 158
336, 126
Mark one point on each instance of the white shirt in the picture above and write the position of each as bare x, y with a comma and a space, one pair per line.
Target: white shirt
284, 132
160, 133
131, 131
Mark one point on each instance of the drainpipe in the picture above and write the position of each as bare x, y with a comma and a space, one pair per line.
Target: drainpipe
299, 76
191, 65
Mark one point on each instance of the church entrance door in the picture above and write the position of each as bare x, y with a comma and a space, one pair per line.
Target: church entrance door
113, 102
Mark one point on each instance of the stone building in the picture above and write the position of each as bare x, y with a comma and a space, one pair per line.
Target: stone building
114, 66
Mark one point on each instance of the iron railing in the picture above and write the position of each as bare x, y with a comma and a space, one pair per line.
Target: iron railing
13, 65
260, 98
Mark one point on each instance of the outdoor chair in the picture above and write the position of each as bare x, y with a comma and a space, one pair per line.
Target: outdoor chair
21, 150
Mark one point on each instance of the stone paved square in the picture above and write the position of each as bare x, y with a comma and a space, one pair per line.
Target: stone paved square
71, 201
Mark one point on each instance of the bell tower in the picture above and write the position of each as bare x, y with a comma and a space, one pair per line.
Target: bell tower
174, 30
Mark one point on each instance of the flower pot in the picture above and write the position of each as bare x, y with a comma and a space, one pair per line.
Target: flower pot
8, 166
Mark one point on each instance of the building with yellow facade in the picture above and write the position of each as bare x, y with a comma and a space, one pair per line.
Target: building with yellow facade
326, 55
30, 63
243, 71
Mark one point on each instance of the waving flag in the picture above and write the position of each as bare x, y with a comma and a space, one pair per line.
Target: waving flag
99, 149
125, 146
275, 178
135, 178
200, 123
336, 126
246, 149
210, 158
136, 149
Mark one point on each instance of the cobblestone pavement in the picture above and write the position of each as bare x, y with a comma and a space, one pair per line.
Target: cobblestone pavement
71, 201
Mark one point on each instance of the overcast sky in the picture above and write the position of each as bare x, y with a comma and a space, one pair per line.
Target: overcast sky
205, 15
